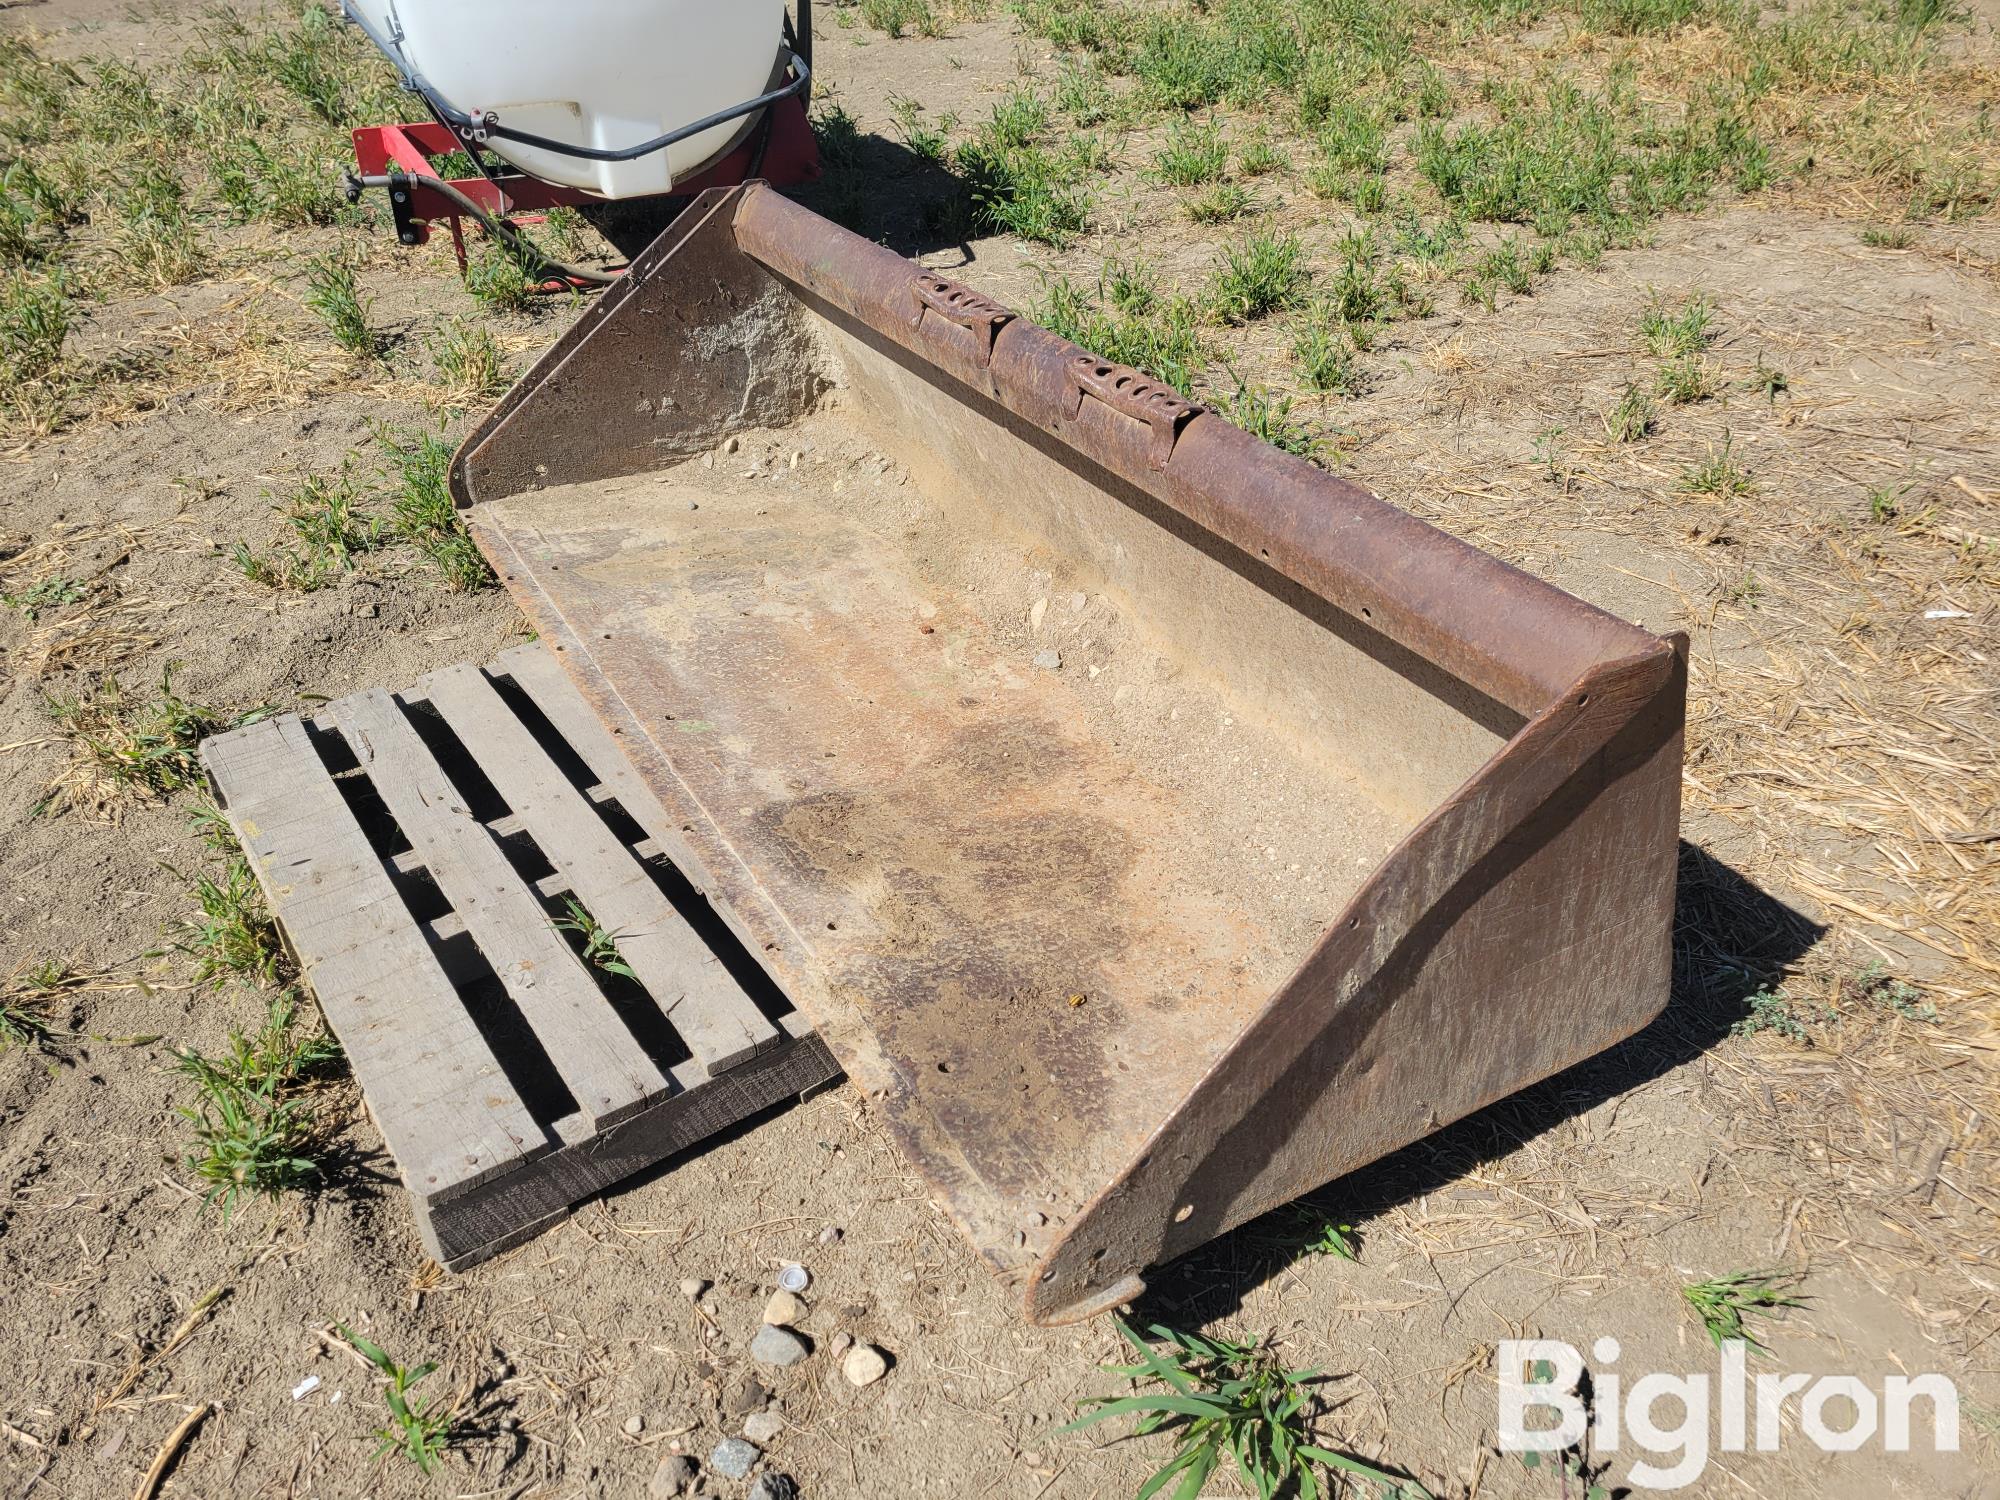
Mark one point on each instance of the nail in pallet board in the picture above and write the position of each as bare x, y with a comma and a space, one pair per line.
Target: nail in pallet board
418, 851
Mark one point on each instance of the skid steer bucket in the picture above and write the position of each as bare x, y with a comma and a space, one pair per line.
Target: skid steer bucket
1155, 826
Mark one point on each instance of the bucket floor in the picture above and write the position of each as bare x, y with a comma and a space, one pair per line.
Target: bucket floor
1009, 849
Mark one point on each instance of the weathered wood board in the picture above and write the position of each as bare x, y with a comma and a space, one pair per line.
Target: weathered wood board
425, 854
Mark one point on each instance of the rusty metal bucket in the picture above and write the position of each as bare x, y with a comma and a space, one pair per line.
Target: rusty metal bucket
1155, 826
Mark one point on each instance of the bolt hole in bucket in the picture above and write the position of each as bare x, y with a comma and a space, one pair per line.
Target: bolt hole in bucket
1095, 838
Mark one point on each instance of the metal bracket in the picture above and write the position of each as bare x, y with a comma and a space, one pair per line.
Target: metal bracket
1131, 394
979, 315
409, 229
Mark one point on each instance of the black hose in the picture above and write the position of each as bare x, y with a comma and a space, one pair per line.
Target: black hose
499, 228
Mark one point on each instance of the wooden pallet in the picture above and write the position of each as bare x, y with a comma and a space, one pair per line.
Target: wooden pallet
418, 851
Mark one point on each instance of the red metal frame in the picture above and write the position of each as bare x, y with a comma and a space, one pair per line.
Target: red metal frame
791, 156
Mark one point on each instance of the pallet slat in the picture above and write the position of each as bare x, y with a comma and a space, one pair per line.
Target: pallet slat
446, 1109
537, 673
605, 1069
700, 997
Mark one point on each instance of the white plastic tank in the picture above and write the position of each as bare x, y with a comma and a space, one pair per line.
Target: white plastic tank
602, 73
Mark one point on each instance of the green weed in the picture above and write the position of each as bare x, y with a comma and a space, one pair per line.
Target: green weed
43, 594
123, 748
498, 281
1323, 352
1719, 474
231, 935
1632, 418
1772, 1011
1230, 1402
1686, 379
1220, 204
325, 516
1885, 501
894, 17
421, 510
927, 142
420, 1431
1888, 236
1258, 157
1269, 417
332, 293
469, 362
255, 1129
1672, 333
1128, 321
1258, 277
599, 946
1083, 93
156, 239
1873, 986
1016, 184
1724, 1302
1195, 153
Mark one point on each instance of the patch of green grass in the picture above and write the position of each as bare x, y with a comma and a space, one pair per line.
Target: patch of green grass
421, 511
124, 747
1323, 352
1259, 157
1719, 474
256, 1131
1227, 1402
421, 1431
497, 280
927, 142
1257, 277
1686, 379
1672, 332
231, 935
331, 292
469, 361
24, 999
1724, 1302
1083, 93
1268, 416
325, 516
1017, 184
1888, 236
1195, 153
43, 594
1632, 418
1126, 319
1224, 202
156, 237
894, 17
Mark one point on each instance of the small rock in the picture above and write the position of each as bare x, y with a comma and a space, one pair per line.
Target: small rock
778, 1346
744, 1396
796, 456
830, 1235
841, 1343
1049, 659
634, 1425
1035, 612
731, 443
783, 1309
694, 505
761, 1427
1077, 602
733, 1458
794, 1278
671, 1477
773, 1487
692, 1287
1031, 1458
864, 1365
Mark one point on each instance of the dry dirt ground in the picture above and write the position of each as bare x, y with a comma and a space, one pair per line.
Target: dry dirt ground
1841, 796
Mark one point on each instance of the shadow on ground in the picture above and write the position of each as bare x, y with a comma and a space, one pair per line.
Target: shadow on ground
1731, 938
